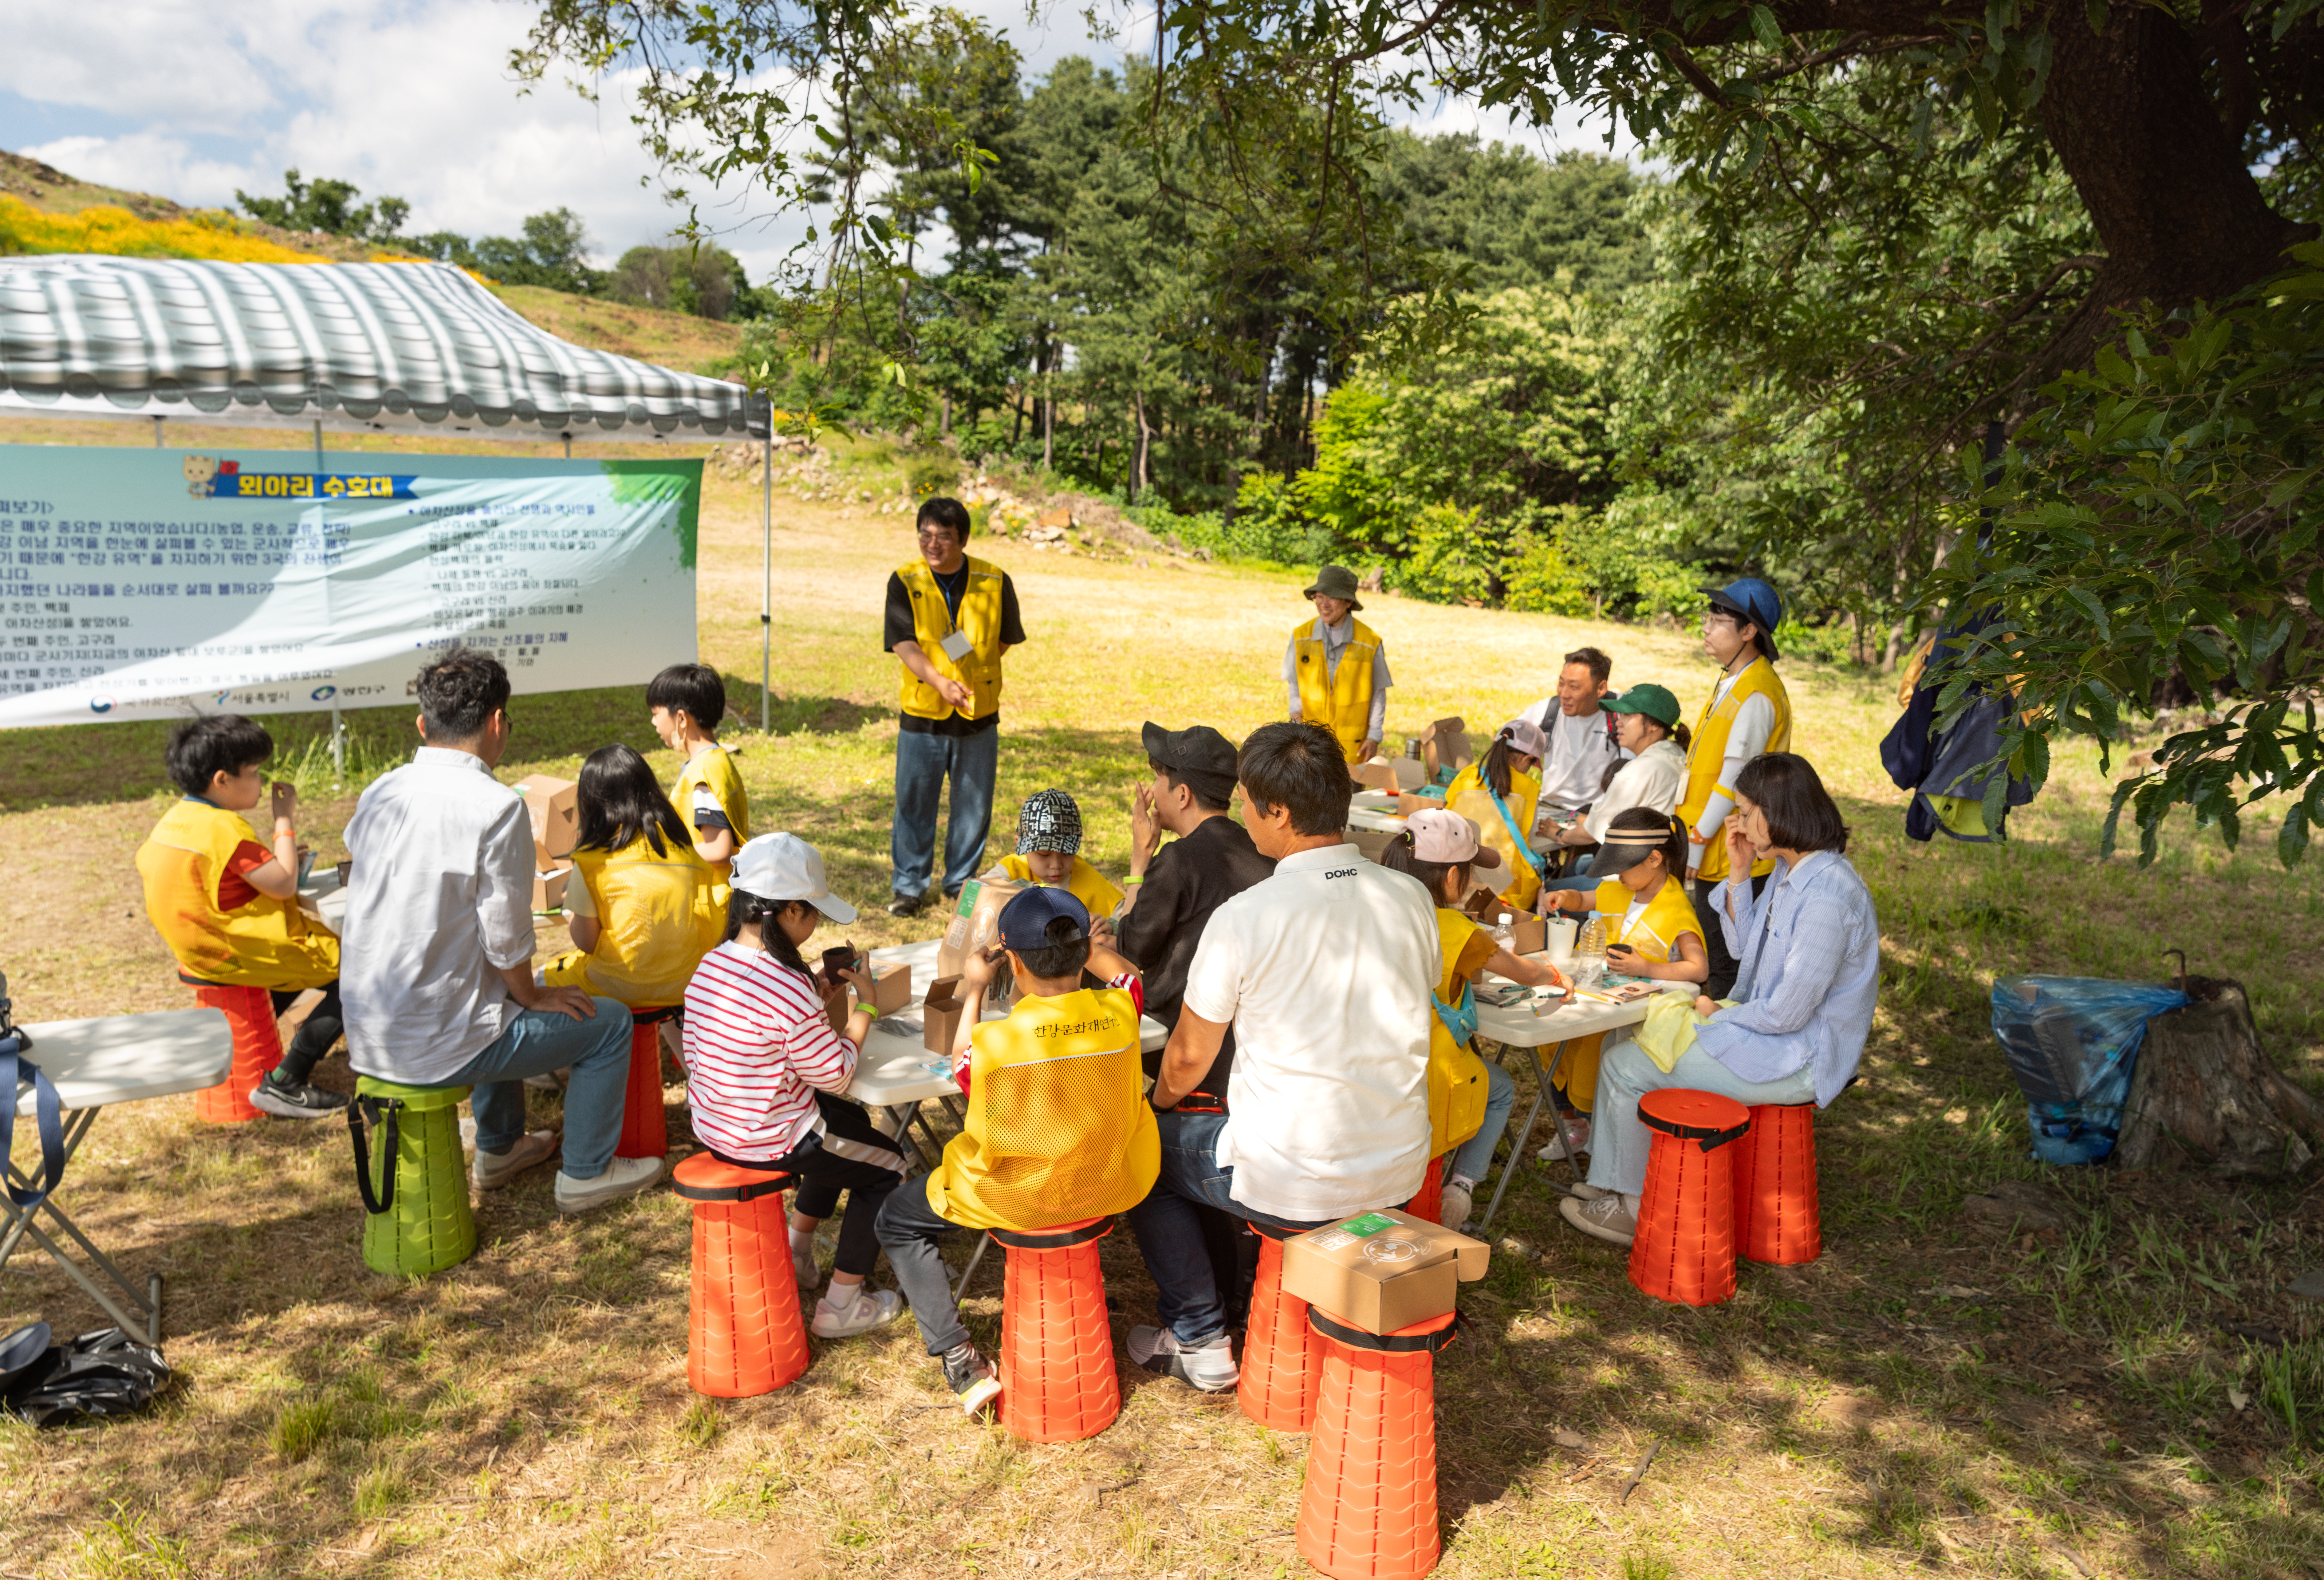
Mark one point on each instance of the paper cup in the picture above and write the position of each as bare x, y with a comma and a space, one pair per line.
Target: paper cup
1563, 931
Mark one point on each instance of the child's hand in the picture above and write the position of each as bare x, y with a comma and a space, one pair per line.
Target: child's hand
286, 801
1623, 958
982, 968
858, 976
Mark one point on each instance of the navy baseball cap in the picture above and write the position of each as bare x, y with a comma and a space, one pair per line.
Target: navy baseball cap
1755, 601
1025, 920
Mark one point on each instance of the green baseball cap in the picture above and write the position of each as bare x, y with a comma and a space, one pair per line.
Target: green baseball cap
1646, 697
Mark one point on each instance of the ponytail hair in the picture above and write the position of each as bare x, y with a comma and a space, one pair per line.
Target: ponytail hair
744, 908
1399, 858
1634, 819
1682, 735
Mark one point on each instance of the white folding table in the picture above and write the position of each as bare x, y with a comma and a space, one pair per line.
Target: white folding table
95, 1064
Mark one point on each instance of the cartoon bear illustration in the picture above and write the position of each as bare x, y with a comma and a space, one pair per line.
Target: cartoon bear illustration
199, 470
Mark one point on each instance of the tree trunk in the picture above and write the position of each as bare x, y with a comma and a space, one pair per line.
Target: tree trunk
2207, 1096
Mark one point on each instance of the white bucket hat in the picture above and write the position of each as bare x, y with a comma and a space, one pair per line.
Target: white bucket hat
783, 866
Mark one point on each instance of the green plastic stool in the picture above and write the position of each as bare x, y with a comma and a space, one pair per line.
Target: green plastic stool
415, 1220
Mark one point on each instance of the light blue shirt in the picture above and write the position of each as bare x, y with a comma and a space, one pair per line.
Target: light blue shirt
1810, 948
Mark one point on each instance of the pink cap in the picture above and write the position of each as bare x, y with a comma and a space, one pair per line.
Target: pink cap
1525, 737
1441, 835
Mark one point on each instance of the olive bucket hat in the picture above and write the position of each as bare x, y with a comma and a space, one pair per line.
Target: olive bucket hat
1336, 581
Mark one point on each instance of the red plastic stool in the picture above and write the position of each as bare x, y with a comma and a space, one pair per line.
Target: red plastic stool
744, 1336
1282, 1357
1684, 1250
645, 1126
1057, 1380
1428, 1202
1776, 1217
257, 1049
1367, 1509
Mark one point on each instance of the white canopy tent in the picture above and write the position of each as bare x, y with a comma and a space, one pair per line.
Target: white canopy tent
352, 347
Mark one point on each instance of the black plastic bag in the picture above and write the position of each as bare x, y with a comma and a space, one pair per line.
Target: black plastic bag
101, 1373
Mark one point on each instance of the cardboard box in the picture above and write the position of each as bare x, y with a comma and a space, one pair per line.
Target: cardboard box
838, 1007
549, 889
1377, 775
1381, 1270
975, 922
940, 1013
555, 813
1445, 745
1411, 773
892, 988
1371, 841
1531, 933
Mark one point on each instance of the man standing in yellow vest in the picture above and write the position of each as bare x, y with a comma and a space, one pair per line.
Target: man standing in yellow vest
1750, 714
1336, 667
949, 620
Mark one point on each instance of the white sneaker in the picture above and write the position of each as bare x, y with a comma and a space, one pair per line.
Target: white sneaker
1604, 1219
491, 1170
1458, 1201
869, 1309
1209, 1365
623, 1177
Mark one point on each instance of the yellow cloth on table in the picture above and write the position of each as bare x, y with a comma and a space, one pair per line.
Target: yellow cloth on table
1668, 1029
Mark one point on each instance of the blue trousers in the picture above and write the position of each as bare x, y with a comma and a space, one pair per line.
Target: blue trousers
1474, 1156
923, 763
535, 1043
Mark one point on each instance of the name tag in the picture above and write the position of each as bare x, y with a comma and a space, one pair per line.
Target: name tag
958, 646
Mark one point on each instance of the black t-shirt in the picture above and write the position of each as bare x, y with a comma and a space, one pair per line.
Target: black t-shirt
1190, 878
899, 628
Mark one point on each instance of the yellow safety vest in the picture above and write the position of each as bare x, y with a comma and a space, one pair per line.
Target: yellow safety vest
1456, 1076
980, 618
656, 919
1341, 699
264, 942
1523, 800
1085, 883
1709, 751
1656, 934
714, 769
1058, 1128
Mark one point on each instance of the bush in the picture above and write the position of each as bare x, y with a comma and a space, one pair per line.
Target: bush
1450, 562
932, 472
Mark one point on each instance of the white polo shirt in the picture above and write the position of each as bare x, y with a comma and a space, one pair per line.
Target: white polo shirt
1325, 971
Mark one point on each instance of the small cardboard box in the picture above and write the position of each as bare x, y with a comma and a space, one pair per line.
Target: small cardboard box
975, 924
1530, 934
1445, 745
1371, 841
1377, 775
1411, 773
555, 811
549, 889
892, 988
1381, 1270
940, 1013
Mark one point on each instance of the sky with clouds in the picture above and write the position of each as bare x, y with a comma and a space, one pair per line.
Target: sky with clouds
412, 97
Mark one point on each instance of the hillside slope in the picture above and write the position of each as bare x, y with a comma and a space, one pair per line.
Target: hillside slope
43, 209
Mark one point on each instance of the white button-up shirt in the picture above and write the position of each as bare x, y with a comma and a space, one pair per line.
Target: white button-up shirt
1324, 970
439, 903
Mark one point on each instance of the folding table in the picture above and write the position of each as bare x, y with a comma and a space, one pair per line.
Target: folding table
95, 1064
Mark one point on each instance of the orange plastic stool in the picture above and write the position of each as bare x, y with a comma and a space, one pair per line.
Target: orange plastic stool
1428, 1202
1684, 1252
1367, 1509
1057, 1380
257, 1049
1776, 1216
645, 1125
1282, 1357
743, 1337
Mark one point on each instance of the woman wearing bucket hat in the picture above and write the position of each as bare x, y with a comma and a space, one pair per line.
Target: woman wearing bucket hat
1336, 667
1647, 722
1750, 714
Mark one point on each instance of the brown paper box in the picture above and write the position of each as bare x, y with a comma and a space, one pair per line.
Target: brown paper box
1530, 932
1411, 773
976, 923
1380, 776
549, 888
837, 1008
556, 816
892, 988
1444, 744
940, 1013
1381, 1270
1371, 841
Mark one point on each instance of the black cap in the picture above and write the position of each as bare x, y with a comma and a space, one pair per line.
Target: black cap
1199, 756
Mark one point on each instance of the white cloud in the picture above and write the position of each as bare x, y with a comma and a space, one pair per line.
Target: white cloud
151, 162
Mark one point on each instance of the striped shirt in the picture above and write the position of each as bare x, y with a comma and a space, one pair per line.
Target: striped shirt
756, 1041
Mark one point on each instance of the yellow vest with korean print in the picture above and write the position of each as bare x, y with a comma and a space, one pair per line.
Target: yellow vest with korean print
1058, 1128
263, 942
1469, 795
1709, 753
656, 919
1655, 932
1085, 883
1341, 699
714, 771
1456, 1076
979, 669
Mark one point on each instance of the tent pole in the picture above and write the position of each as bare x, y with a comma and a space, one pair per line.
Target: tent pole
338, 725
767, 584
157, 431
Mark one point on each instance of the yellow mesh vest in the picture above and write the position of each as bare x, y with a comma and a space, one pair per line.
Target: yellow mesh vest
1709, 751
714, 769
1655, 933
1058, 1127
1340, 700
656, 918
980, 618
1456, 1076
1468, 796
264, 943
1093, 888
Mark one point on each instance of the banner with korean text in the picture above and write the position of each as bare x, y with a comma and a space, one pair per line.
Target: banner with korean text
144, 584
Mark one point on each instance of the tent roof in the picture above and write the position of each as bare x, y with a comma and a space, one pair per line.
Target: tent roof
417, 347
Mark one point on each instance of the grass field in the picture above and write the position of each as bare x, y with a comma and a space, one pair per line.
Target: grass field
2139, 1396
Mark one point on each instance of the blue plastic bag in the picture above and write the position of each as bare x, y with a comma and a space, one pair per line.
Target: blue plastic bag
2072, 1043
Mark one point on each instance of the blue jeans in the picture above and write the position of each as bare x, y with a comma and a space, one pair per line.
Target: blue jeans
1474, 1156
923, 763
537, 1042
1170, 1232
1578, 878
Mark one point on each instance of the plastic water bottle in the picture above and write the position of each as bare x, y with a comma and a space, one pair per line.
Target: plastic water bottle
1590, 951
1504, 931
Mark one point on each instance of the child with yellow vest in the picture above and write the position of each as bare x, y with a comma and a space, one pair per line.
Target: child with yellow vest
1499, 795
640, 898
688, 703
1469, 1098
227, 906
1651, 929
1058, 1130
1336, 667
1048, 851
